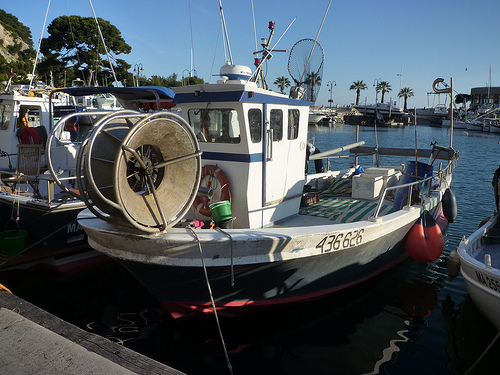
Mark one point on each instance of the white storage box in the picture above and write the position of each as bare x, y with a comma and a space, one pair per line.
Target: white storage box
367, 186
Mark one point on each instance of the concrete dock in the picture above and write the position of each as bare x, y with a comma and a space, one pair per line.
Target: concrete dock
33, 341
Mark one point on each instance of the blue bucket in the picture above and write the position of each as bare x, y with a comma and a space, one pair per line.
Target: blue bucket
424, 170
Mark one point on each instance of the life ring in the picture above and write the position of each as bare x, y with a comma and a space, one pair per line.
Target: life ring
201, 204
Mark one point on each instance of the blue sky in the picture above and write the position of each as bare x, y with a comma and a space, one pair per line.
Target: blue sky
362, 39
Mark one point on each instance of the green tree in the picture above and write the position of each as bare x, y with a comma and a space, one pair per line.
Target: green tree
383, 86
282, 82
358, 86
405, 93
313, 79
74, 47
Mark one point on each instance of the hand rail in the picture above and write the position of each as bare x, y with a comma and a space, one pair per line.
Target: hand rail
410, 185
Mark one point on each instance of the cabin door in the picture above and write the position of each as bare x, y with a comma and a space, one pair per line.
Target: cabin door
275, 155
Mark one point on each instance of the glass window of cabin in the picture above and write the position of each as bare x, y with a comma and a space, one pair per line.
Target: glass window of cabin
255, 123
5, 113
293, 123
276, 121
218, 125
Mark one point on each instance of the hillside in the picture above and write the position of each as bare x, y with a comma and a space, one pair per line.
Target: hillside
16, 46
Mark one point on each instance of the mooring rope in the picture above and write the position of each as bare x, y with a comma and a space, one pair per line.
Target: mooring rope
212, 301
482, 355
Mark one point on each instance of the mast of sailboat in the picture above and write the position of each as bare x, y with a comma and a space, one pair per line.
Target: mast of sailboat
39, 43
104, 43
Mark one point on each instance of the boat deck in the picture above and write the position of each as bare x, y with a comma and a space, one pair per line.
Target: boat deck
344, 210
492, 247
336, 204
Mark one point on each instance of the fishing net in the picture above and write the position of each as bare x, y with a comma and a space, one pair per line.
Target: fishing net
305, 65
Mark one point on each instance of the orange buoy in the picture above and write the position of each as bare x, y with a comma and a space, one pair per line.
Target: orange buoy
425, 241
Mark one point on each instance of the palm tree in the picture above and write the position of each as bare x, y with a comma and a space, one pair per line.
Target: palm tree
358, 86
282, 82
313, 79
383, 86
405, 92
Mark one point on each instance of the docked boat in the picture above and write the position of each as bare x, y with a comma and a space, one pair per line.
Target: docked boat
316, 117
477, 258
39, 198
213, 210
385, 109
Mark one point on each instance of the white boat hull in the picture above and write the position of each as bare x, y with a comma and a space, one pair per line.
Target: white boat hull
483, 281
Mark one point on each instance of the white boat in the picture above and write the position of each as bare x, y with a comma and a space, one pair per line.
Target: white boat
479, 257
217, 200
315, 117
39, 200
475, 125
385, 109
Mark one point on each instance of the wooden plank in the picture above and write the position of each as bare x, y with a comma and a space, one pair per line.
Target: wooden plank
120, 355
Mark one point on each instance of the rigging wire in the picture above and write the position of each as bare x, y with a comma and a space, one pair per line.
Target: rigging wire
315, 41
104, 43
39, 43
74, 41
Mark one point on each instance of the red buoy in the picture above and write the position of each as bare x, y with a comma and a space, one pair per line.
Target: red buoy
425, 241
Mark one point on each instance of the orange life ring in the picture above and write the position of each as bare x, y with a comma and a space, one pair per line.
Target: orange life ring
201, 204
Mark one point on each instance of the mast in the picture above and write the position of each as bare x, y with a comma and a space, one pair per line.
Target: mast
39, 43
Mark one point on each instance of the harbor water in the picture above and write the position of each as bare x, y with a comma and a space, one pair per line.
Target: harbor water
409, 320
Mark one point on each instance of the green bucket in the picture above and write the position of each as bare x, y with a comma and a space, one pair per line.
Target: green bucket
221, 211
12, 242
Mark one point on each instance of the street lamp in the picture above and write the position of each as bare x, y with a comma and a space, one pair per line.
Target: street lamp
375, 84
400, 85
331, 84
138, 68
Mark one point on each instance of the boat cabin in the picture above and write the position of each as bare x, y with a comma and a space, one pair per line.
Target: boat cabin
256, 138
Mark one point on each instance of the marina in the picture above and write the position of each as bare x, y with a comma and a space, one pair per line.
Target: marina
164, 225
410, 318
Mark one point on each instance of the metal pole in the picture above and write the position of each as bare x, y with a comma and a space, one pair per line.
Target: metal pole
451, 112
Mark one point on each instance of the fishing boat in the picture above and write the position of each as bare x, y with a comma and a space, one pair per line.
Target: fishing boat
213, 211
39, 199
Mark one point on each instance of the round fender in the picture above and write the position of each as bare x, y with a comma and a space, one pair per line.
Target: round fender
449, 203
425, 241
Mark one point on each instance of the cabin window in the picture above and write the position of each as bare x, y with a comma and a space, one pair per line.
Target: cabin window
5, 113
255, 123
293, 123
219, 125
276, 121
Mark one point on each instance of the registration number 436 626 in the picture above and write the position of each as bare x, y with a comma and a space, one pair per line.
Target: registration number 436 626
340, 241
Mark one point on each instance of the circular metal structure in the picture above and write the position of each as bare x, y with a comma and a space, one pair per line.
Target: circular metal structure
157, 172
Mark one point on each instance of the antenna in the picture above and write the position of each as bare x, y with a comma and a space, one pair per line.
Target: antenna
225, 32
266, 52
